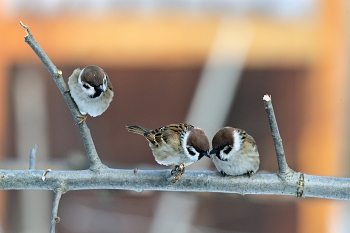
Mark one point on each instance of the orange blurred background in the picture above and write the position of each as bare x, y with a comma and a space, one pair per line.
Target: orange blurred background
170, 62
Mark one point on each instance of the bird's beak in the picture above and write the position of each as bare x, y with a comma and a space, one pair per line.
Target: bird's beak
213, 151
100, 88
206, 154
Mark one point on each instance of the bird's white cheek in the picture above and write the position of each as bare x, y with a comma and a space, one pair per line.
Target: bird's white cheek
89, 92
193, 156
237, 141
223, 155
227, 152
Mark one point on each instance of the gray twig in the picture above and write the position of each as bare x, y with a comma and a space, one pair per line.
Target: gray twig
32, 157
95, 162
55, 219
283, 170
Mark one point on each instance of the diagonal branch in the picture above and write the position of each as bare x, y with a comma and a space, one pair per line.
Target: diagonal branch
283, 170
95, 162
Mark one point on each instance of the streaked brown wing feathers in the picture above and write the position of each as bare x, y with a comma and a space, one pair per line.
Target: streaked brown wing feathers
171, 132
179, 127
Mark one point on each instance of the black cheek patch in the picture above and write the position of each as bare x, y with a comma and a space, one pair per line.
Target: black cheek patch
97, 93
191, 152
228, 150
218, 156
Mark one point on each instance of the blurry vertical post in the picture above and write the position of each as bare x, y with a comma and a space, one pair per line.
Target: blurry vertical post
209, 109
31, 121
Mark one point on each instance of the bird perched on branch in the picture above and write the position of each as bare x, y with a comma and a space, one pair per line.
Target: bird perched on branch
234, 152
91, 90
179, 144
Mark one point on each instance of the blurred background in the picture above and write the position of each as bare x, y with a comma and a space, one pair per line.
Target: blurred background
207, 63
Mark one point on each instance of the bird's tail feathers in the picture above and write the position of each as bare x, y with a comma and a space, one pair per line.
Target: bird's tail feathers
137, 129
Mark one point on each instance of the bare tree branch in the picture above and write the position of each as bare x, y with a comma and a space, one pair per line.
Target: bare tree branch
191, 181
95, 162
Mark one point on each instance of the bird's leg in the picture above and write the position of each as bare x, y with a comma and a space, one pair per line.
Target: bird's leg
82, 118
223, 173
250, 173
175, 170
178, 171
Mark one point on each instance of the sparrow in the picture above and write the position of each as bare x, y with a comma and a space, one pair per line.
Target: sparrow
91, 90
175, 144
234, 152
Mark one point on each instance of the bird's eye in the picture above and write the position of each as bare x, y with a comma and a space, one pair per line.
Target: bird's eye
86, 86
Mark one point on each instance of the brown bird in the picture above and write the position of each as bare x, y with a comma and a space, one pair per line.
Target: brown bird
175, 144
234, 152
91, 90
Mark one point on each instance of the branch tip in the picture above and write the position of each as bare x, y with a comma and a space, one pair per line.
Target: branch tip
32, 156
23, 25
267, 97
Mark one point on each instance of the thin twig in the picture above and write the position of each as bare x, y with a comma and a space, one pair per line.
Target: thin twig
95, 162
32, 157
55, 219
283, 170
